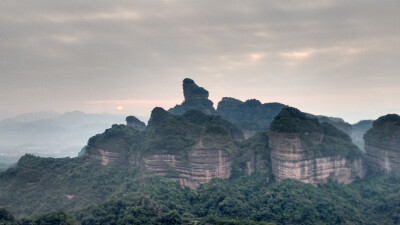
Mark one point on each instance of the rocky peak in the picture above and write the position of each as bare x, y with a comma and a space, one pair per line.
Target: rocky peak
195, 98
191, 90
135, 123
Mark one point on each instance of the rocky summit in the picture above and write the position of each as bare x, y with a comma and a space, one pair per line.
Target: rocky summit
191, 90
191, 163
135, 123
195, 98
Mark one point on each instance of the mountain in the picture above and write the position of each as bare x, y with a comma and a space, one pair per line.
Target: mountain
250, 115
355, 131
28, 117
312, 152
382, 144
197, 167
51, 134
191, 149
195, 98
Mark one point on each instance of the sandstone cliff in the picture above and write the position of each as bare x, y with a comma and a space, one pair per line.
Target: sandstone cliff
191, 149
290, 160
382, 144
202, 164
304, 149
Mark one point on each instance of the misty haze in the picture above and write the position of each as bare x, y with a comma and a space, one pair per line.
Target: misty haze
199, 112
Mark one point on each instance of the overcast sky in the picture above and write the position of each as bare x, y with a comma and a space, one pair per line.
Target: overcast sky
337, 58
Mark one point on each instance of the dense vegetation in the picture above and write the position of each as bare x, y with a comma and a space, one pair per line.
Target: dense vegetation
133, 119
384, 128
318, 139
122, 196
251, 114
202, 104
82, 191
165, 132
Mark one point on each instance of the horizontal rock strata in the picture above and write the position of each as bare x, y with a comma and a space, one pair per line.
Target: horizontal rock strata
289, 160
200, 166
383, 156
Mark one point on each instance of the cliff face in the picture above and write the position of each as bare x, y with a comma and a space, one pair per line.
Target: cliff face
382, 144
383, 156
306, 150
191, 149
202, 164
289, 160
191, 90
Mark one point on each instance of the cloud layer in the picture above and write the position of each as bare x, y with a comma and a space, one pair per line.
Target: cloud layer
327, 57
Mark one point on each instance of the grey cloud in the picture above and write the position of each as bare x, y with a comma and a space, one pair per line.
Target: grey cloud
62, 54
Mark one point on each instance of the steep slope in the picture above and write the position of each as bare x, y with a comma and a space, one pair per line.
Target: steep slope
382, 144
195, 98
304, 149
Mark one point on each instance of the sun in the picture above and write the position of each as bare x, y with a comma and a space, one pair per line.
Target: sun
120, 108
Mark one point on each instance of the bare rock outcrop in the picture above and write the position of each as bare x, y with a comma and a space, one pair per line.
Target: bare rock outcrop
196, 98
305, 150
191, 90
290, 160
191, 149
382, 144
202, 164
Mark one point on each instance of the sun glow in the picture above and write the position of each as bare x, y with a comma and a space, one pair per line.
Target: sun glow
120, 108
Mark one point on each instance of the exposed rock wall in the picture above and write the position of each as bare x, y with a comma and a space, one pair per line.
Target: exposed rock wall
383, 156
191, 90
202, 164
289, 160
105, 157
196, 98
382, 144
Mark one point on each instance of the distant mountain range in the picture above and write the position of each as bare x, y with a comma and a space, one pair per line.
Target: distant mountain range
50, 133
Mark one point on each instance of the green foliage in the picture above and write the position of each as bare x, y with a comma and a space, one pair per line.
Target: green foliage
90, 193
292, 120
384, 128
122, 196
256, 151
178, 134
57, 217
318, 140
201, 104
6, 217
249, 115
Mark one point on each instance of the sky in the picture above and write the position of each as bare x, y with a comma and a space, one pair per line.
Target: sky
336, 58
